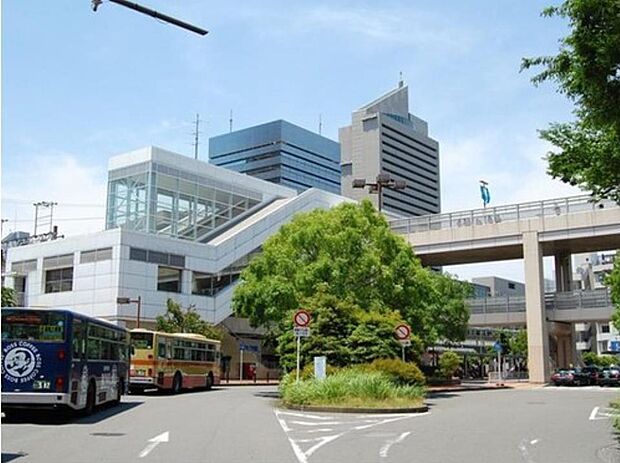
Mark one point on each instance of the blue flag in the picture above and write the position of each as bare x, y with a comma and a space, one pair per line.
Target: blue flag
486, 196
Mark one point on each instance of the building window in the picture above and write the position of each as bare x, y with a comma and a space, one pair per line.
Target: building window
24, 266
604, 328
169, 279
95, 255
59, 280
65, 260
156, 257
511, 286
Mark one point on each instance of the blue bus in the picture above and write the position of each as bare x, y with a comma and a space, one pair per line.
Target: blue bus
60, 359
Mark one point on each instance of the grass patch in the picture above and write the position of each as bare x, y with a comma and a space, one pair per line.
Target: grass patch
351, 388
615, 406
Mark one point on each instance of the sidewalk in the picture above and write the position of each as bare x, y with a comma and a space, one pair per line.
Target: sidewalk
248, 382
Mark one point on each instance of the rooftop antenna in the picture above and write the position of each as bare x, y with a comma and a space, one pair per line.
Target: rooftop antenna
154, 14
196, 135
320, 123
43, 215
400, 79
230, 122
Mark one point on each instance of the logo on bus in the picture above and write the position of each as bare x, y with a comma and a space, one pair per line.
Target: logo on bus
21, 362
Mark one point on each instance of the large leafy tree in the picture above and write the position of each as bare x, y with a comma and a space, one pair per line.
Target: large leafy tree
371, 275
587, 70
9, 297
179, 320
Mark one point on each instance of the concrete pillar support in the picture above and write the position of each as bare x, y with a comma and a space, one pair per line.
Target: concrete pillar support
563, 272
537, 335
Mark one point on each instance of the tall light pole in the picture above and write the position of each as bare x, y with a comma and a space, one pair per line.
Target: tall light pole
382, 181
154, 14
126, 300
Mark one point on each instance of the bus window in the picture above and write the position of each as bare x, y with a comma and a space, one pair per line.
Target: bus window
33, 326
161, 349
142, 340
78, 339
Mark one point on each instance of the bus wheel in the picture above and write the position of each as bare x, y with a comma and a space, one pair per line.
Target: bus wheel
209, 383
90, 399
177, 383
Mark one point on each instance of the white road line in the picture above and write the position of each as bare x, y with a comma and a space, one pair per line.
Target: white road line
593, 414
383, 453
324, 423
525, 452
154, 442
534, 442
305, 415
311, 431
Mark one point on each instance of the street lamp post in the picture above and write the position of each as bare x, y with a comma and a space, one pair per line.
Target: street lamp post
126, 300
382, 181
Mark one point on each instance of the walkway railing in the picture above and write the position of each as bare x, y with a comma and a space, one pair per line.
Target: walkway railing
595, 299
499, 214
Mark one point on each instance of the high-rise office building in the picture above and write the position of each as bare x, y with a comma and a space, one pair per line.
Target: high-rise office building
280, 152
384, 138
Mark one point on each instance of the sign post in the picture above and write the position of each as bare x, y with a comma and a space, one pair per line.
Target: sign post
403, 334
301, 319
498, 348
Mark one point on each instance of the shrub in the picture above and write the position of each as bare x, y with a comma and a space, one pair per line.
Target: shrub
448, 363
350, 387
590, 358
399, 372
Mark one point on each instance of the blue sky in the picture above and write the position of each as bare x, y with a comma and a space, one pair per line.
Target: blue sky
79, 86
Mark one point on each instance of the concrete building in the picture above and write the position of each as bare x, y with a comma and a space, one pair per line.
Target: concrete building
384, 138
176, 228
280, 152
500, 286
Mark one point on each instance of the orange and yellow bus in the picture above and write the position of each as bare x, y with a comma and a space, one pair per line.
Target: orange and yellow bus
173, 361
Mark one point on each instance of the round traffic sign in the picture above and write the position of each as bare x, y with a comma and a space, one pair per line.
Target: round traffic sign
302, 318
402, 332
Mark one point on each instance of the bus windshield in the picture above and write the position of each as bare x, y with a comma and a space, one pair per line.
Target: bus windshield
142, 340
33, 326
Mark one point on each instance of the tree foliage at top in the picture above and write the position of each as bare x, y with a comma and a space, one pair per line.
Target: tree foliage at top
179, 320
350, 254
9, 297
587, 70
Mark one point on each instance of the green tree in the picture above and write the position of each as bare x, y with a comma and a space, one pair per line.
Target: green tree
375, 281
9, 297
179, 320
448, 363
518, 343
587, 70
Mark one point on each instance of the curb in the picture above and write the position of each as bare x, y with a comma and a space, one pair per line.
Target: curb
271, 383
467, 389
312, 408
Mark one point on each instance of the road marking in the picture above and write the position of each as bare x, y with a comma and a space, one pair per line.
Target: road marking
534, 442
296, 444
383, 453
305, 415
525, 453
593, 414
154, 442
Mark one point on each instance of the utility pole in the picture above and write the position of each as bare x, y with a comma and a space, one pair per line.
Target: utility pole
230, 122
152, 13
196, 134
320, 123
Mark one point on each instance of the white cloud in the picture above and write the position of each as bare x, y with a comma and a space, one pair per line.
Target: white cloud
378, 25
78, 189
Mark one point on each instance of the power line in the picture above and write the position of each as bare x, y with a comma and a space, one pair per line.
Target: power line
68, 219
30, 201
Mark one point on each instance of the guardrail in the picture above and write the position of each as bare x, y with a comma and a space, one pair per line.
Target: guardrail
595, 299
500, 214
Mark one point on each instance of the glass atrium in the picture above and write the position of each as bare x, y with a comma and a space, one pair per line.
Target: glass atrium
156, 198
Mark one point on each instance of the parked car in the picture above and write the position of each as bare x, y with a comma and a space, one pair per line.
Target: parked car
593, 372
570, 377
609, 376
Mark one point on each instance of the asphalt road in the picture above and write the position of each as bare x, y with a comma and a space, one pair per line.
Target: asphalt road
244, 424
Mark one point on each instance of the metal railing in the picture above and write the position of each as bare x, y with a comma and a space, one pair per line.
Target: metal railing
595, 299
500, 214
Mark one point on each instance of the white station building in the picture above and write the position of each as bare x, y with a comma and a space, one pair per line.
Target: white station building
175, 228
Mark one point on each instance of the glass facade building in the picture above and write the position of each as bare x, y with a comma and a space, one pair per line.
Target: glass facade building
280, 152
179, 202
